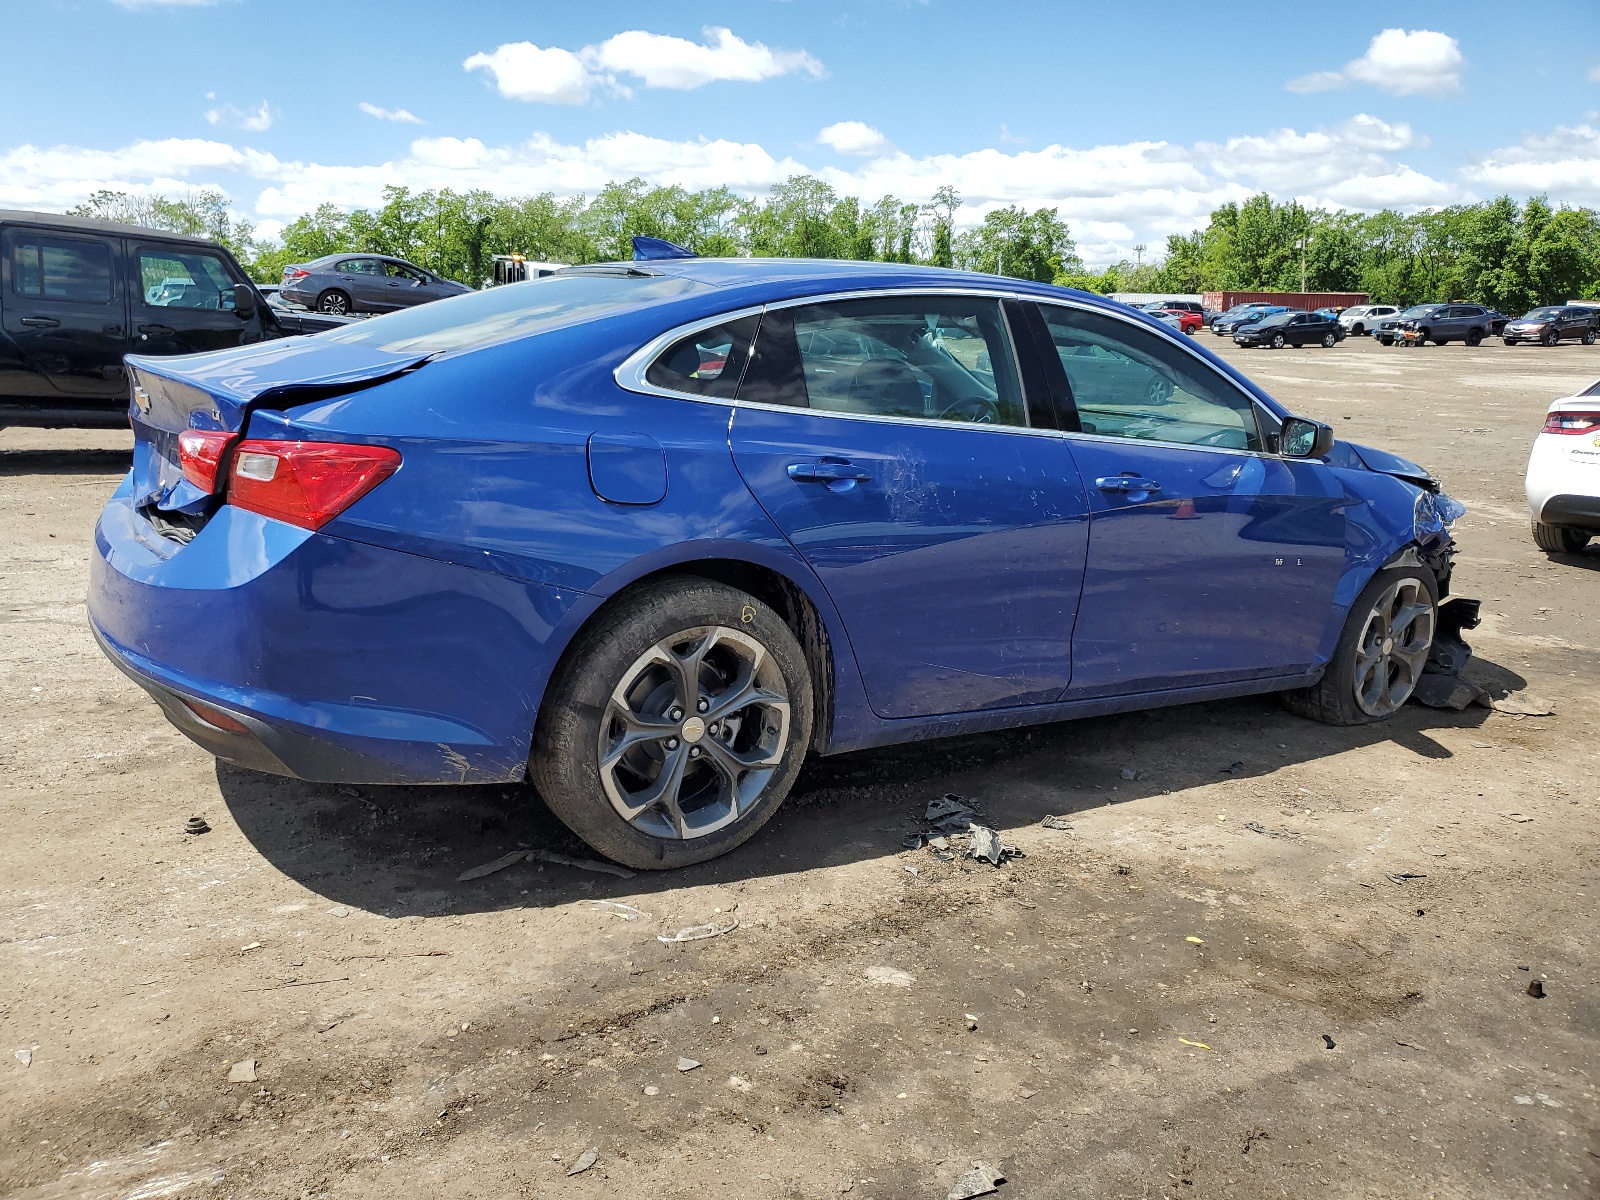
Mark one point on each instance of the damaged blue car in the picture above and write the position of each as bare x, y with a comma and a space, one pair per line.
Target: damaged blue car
649, 533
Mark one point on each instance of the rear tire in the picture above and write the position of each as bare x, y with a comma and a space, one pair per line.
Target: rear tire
1381, 652
1559, 539
334, 302
1588, 337
652, 790
1475, 337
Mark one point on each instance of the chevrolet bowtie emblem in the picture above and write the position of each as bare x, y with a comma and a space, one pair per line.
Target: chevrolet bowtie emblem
142, 399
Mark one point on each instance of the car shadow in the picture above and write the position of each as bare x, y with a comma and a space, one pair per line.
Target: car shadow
397, 851
65, 462
1587, 559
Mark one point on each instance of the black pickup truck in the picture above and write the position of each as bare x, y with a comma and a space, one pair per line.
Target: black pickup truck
76, 295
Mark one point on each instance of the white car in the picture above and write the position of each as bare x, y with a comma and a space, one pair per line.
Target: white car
1564, 474
1363, 318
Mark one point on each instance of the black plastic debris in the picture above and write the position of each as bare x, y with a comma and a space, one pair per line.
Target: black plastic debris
1441, 685
1123, 869
1056, 823
1231, 769
1402, 876
912, 841
1257, 827
196, 825
1327, 1041
1536, 988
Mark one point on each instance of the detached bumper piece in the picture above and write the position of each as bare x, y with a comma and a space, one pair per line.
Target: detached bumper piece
1441, 685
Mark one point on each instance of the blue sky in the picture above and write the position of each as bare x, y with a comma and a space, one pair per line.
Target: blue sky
1134, 121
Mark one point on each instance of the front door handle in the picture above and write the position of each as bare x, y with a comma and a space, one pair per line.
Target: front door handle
838, 475
1126, 483
157, 330
40, 322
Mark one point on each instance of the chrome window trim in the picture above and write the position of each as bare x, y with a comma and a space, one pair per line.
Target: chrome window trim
630, 373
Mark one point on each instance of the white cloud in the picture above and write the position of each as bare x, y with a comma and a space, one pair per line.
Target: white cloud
1564, 164
253, 120
674, 62
1113, 196
401, 115
523, 71
1594, 73
1404, 63
855, 137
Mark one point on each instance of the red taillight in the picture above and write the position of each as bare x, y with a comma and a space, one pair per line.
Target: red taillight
306, 483
290, 273
200, 454
215, 717
1572, 422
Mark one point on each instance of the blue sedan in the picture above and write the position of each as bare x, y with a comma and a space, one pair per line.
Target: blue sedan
649, 533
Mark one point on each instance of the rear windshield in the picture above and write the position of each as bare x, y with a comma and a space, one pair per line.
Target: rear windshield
513, 311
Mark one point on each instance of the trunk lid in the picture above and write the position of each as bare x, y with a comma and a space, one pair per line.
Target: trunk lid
216, 391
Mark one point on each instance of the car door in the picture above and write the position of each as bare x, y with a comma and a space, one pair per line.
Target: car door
63, 314
405, 286
185, 300
1209, 560
367, 283
890, 442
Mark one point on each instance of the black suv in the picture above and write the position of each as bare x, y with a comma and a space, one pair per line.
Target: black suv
76, 295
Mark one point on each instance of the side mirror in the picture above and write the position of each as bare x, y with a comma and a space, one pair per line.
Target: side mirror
244, 301
1302, 438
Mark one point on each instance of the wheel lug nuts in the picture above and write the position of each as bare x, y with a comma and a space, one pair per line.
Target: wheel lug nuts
676, 714
703, 705
672, 743
712, 728
694, 751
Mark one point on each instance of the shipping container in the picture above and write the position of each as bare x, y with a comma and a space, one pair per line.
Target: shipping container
1310, 301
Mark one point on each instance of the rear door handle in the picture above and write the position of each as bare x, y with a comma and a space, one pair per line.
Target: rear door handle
40, 322
1126, 483
838, 474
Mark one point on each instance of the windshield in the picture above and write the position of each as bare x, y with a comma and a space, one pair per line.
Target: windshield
1543, 314
1420, 310
1277, 319
513, 311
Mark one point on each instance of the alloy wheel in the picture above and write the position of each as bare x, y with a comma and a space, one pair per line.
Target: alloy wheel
335, 303
693, 733
1395, 640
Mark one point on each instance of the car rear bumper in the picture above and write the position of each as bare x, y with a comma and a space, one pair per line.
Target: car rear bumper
341, 661
1563, 481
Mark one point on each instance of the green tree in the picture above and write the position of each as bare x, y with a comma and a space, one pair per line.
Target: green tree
1023, 245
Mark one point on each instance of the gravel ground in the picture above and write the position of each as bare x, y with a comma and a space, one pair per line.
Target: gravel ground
1211, 984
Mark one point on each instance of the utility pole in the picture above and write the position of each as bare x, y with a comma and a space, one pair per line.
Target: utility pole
1138, 255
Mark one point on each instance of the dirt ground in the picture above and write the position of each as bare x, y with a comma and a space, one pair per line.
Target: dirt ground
1210, 985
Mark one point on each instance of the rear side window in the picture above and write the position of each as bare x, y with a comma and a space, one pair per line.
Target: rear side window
48, 268
944, 358
708, 363
359, 266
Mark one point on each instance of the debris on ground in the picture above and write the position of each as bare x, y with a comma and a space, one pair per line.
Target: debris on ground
25, 1057
986, 845
687, 1064
243, 1071
1258, 827
626, 911
1327, 1041
1519, 818
892, 976
1440, 684
196, 825
912, 841
1196, 1045
947, 805
1536, 988
1129, 774
939, 843
972, 1021
1056, 823
1523, 704
1123, 869
979, 1181
1402, 876
1195, 941
1232, 768
583, 864
585, 1160
489, 868
697, 933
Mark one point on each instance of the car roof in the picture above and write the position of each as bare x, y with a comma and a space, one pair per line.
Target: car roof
91, 225
348, 254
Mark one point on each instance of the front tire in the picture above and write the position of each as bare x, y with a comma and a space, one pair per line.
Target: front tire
1559, 539
1551, 337
1277, 341
1357, 329
1328, 341
676, 727
1381, 653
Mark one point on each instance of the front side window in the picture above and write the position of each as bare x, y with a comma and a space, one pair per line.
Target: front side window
47, 268
401, 271
943, 358
707, 363
184, 279
1129, 382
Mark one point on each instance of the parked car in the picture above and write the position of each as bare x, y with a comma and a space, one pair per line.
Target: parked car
76, 295
1437, 323
363, 283
1497, 322
1563, 480
1358, 319
1207, 316
514, 268
1549, 325
1235, 318
1189, 319
1291, 329
650, 533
